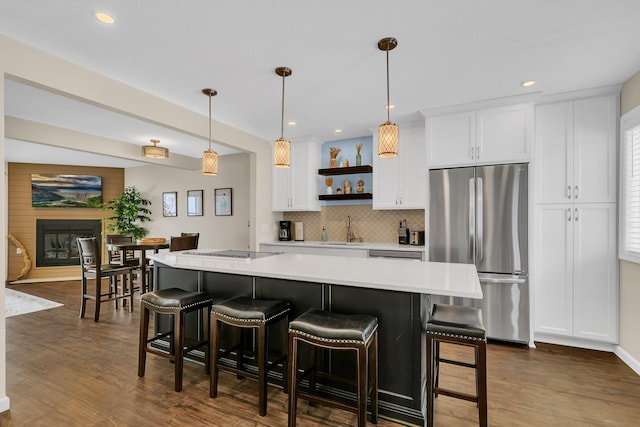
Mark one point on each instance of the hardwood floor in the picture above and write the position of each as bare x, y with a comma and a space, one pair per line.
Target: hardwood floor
66, 371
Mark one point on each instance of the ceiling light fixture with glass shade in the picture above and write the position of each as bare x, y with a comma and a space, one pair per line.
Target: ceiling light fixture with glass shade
155, 152
388, 132
210, 157
282, 147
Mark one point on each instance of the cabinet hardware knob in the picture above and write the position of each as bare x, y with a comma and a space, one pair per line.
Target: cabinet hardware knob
568, 192
569, 214
575, 192
576, 211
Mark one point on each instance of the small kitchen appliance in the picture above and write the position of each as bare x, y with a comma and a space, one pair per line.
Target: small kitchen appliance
285, 231
403, 233
299, 231
416, 238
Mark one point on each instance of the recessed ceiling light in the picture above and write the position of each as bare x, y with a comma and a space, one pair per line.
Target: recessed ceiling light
338, 131
291, 123
104, 17
390, 106
528, 83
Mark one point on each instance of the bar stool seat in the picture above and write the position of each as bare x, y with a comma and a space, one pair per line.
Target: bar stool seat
337, 331
461, 326
176, 302
243, 313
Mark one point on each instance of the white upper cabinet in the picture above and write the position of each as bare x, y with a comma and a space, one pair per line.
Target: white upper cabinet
487, 136
400, 183
296, 188
576, 151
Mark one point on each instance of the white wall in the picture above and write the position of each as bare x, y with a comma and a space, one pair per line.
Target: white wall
4, 400
219, 232
629, 271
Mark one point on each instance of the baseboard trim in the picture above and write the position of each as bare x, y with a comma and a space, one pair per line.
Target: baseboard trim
50, 279
628, 359
4, 404
575, 342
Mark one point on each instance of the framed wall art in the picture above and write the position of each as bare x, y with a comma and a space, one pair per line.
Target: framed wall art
170, 203
195, 203
223, 201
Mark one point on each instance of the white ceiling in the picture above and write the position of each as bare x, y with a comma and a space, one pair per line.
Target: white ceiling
449, 52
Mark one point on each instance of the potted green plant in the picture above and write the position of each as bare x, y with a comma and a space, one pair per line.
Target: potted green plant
128, 212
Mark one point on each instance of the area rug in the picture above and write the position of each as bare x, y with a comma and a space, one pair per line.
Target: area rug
17, 303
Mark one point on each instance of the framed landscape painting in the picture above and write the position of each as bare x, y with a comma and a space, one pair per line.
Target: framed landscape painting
66, 191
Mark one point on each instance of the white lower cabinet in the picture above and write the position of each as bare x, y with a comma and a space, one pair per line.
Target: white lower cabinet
576, 274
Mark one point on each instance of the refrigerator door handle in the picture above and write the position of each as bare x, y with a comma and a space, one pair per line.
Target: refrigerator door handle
472, 218
479, 207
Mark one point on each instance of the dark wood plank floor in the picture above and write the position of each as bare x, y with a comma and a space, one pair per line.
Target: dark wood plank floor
64, 371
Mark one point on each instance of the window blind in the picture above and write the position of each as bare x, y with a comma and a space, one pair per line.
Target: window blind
630, 247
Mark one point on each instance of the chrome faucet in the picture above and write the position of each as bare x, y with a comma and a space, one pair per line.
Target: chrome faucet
350, 236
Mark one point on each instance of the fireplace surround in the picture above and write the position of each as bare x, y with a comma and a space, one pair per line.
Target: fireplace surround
56, 240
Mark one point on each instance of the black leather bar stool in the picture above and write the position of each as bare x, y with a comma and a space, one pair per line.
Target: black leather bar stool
244, 312
459, 325
176, 302
323, 329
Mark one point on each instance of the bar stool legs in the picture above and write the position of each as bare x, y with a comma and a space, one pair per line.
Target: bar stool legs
177, 303
461, 326
247, 313
322, 329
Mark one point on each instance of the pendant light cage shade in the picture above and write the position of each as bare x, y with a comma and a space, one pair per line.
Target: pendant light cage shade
210, 163
209, 157
281, 146
388, 135
155, 152
282, 153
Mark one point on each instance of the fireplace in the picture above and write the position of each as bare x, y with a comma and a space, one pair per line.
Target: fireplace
56, 240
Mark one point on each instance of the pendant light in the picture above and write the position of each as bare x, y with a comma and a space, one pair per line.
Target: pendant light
388, 132
155, 152
282, 147
210, 157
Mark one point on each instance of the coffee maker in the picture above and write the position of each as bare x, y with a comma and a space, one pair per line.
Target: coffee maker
285, 231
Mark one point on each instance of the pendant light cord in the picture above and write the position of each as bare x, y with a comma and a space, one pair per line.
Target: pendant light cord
388, 105
282, 115
209, 121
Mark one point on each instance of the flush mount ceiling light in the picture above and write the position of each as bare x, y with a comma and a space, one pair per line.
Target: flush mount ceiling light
104, 17
282, 147
155, 152
210, 157
388, 132
528, 83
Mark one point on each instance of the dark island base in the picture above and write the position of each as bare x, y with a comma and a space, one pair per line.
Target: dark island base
401, 366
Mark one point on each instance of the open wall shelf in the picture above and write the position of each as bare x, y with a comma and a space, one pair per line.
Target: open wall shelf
345, 171
352, 196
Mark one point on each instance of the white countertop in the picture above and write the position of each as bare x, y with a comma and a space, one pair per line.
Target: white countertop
459, 280
344, 245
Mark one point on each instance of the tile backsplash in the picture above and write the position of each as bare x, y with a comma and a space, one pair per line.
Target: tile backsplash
379, 226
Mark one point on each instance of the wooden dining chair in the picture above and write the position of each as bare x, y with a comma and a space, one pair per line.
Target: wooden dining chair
192, 234
117, 256
181, 243
92, 268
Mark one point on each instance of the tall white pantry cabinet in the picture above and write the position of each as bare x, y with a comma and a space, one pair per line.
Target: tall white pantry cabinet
576, 286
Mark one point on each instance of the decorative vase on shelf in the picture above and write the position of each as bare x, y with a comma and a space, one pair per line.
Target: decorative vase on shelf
358, 156
333, 156
329, 183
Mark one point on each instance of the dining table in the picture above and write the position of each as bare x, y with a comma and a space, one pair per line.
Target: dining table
141, 247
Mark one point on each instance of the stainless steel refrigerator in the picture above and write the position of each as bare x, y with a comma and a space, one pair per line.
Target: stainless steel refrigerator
479, 215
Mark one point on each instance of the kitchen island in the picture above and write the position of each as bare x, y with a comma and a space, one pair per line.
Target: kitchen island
397, 292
